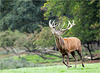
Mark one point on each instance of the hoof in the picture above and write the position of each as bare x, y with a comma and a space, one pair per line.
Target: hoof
83, 65
69, 66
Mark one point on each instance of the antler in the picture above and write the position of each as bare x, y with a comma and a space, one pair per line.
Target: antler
52, 25
68, 27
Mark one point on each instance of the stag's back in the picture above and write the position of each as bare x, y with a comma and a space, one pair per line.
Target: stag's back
72, 44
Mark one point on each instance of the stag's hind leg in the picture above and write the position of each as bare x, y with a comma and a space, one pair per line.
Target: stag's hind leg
73, 54
80, 54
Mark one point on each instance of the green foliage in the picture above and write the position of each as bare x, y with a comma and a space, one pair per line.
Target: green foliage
15, 39
55, 8
7, 38
85, 14
89, 21
44, 38
24, 39
23, 15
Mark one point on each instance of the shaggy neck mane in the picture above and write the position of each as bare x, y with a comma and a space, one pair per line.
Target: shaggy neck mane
59, 42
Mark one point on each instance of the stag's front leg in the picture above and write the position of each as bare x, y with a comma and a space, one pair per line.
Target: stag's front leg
68, 61
63, 55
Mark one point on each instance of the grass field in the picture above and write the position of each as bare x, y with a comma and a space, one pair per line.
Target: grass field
89, 68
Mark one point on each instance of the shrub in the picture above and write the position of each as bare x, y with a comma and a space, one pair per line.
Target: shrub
15, 38
25, 39
12, 64
44, 38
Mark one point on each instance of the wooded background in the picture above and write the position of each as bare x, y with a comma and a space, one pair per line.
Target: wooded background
24, 23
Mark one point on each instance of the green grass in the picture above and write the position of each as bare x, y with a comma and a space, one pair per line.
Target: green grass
89, 68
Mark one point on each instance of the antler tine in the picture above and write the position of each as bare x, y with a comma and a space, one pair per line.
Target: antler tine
63, 25
50, 25
59, 25
53, 23
73, 22
69, 24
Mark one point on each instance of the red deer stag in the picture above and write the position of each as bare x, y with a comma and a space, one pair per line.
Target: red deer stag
66, 45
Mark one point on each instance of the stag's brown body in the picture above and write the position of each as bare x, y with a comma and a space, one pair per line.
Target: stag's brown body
67, 45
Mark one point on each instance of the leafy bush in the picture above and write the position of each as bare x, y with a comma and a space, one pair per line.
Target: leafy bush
25, 39
8, 38
15, 38
45, 38
12, 64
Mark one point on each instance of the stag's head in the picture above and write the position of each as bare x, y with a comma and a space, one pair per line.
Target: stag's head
60, 31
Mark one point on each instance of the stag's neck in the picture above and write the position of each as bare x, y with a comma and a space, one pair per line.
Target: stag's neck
59, 42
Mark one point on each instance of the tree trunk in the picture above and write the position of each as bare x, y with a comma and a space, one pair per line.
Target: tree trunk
14, 50
27, 48
90, 51
6, 50
92, 48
